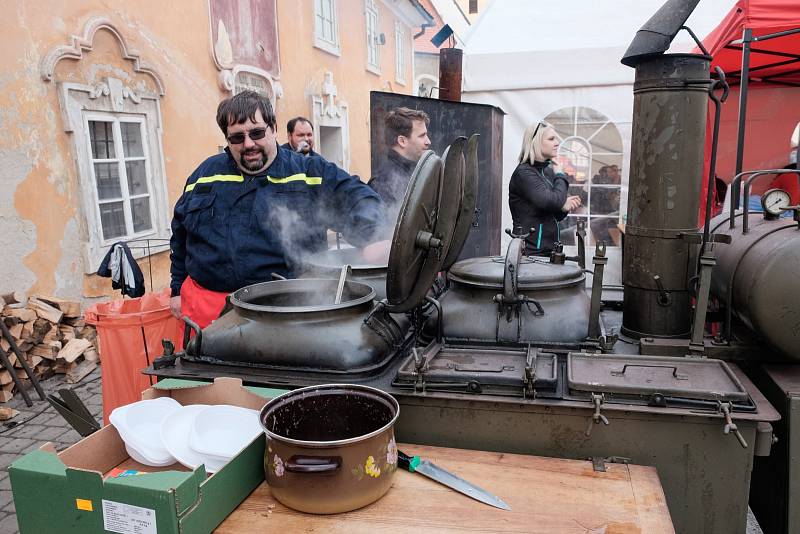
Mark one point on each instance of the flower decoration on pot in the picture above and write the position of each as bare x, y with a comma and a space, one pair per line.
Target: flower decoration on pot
277, 466
391, 453
371, 468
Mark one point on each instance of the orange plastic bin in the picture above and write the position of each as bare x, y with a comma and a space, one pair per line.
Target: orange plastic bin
130, 333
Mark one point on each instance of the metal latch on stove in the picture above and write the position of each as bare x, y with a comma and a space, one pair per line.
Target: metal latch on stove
599, 462
725, 409
597, 417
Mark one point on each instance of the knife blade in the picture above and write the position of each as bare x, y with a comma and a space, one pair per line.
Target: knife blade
415, 464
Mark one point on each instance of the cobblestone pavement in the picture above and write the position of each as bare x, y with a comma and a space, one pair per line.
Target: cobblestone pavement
43, 424
40, 424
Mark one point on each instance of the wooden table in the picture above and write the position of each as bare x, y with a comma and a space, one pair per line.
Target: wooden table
547, 495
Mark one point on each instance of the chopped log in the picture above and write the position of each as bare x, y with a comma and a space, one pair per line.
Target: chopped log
91, 355
16, 331
15, 299
45, 310
5, 377
71, 308
67, 332
25, 346
79, 372
41, 327
45, 370
77, 322
47, 351
53, 335
6, 395
74, 348
23, 314
27, 330
5, 345
8, 413
11, 321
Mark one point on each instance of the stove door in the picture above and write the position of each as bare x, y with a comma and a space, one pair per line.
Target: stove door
490, 370
656, 381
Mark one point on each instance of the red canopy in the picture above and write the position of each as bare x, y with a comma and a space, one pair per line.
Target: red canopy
773, 91
762, 17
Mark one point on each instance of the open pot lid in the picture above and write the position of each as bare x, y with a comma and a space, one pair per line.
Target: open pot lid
424, 227
469, 201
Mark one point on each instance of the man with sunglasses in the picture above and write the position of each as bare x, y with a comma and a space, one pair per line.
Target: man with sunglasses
255, 210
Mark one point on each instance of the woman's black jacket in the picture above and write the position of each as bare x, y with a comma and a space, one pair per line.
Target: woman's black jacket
535, 196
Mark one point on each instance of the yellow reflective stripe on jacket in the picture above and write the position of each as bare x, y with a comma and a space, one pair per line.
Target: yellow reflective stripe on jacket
216, 178
309, 180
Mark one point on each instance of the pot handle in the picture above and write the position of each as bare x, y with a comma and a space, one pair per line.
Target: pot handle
314, 464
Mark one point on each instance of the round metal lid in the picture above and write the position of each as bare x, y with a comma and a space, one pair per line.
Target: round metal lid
534, 273
333, 260
469, 201
424, 227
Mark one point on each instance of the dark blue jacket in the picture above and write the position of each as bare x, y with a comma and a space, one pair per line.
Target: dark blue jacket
231, 230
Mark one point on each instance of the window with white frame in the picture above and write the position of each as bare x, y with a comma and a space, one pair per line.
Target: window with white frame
120, 164
373, 35
590, 153
326, 26
117, 143
400, 53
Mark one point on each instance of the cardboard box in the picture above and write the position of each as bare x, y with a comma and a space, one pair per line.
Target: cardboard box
66, 492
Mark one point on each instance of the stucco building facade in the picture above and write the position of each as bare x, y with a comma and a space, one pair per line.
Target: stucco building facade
107, 106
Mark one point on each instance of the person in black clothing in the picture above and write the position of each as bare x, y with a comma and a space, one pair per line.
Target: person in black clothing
537, 192
300, 133
406, 137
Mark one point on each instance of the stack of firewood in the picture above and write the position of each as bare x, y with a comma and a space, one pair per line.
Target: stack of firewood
51, 335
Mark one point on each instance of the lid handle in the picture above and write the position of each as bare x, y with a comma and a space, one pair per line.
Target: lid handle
675, 373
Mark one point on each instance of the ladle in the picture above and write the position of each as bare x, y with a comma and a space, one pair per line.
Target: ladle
342, 279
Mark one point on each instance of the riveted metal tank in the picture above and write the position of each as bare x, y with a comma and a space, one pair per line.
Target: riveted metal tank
757, 277
669, 123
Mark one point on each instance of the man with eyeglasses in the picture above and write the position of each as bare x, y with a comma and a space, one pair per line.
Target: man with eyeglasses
256, 209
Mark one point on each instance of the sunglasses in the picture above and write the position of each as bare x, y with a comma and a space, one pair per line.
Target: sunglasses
537, 128
255, 134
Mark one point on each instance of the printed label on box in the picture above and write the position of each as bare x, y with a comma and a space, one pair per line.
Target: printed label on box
128, 519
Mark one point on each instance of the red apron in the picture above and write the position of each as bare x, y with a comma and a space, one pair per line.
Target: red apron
201, 305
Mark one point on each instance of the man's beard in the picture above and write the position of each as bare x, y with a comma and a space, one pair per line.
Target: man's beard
256, 165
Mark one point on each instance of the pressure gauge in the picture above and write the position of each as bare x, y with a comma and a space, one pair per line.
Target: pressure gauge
775, 201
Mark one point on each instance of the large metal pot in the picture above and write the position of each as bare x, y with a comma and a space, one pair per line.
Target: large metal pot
545, 302
295, 324
330, 448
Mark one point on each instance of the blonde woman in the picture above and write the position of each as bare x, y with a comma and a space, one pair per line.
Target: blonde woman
537, 193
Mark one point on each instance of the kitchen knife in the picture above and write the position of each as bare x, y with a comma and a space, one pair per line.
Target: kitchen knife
415, 464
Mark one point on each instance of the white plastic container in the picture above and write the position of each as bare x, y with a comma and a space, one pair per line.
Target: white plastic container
222, 431
175, 430
139, 426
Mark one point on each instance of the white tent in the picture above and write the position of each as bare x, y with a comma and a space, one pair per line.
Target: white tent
542, 60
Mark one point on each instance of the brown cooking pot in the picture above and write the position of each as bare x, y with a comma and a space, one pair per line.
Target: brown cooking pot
330, 448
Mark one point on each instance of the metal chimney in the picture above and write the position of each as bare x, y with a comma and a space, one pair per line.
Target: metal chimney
667, 149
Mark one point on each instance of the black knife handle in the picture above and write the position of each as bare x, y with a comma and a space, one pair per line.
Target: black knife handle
409, 463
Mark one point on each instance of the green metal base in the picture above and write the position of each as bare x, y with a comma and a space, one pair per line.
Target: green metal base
775, 488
